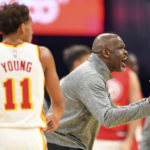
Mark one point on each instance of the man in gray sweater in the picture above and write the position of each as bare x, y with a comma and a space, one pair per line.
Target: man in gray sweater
88, 102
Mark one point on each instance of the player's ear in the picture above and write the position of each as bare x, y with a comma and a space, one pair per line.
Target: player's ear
21, 28
106, 53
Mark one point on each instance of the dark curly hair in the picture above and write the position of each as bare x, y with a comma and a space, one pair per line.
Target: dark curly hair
12, 16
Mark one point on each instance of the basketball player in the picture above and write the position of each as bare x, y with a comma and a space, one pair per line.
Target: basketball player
24, 67
88, 102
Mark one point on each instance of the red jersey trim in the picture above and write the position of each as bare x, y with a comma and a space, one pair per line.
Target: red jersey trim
12, 44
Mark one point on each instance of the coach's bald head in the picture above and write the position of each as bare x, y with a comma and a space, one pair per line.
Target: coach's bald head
104, 41
111, 49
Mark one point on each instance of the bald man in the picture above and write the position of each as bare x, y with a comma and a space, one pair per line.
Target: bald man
88, 103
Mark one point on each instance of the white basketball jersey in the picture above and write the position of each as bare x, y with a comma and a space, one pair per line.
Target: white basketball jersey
21, 86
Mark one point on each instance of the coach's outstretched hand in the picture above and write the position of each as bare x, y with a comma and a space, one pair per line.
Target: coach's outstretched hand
52, 122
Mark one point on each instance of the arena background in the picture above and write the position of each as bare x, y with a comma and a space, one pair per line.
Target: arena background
79, 21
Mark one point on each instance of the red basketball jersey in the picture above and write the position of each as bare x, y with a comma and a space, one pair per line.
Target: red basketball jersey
119, 91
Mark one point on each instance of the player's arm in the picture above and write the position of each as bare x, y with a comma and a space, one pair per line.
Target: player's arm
134, 96
53, 88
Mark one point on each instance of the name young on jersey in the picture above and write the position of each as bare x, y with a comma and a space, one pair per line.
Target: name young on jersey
16, 66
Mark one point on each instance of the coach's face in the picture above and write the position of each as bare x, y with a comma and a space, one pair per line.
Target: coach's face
118, 54
27, 31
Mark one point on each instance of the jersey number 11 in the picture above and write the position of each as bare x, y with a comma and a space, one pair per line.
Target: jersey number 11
10, 94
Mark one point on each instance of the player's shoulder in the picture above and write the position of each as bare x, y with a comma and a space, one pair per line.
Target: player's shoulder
45, 52
133, 75
44, 49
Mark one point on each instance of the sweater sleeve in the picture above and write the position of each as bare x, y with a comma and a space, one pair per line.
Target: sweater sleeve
94, 95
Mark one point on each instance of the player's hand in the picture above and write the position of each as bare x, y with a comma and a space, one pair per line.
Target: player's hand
52, 122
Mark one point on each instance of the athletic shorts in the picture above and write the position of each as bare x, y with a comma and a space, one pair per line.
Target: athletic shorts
22, 139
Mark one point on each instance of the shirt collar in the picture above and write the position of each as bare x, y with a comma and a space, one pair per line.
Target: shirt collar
100, 66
